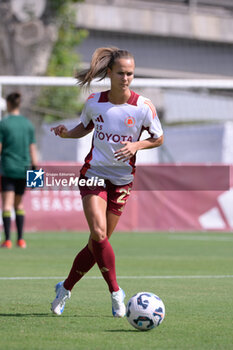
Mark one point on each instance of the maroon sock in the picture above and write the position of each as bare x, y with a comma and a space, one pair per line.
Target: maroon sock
105, 258
83, 262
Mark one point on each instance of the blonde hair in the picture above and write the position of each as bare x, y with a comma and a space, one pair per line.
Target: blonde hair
102, 59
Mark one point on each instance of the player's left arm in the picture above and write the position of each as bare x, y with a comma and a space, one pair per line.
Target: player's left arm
151, 142
130, 148
1, 138
33, 154
32, 146
152, 124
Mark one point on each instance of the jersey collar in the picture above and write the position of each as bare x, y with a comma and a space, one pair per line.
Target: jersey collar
131, 101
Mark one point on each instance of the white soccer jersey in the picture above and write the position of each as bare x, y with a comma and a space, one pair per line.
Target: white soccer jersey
113, 124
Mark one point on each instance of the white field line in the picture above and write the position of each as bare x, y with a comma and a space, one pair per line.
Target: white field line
199, 238
121, 277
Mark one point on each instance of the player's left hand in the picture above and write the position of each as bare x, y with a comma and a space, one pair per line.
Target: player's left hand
127, 151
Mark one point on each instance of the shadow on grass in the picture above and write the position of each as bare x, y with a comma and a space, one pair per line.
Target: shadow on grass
25, 315
122, 331
49, 315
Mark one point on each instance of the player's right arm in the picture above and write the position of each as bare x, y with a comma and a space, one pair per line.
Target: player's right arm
75, 133
83, 128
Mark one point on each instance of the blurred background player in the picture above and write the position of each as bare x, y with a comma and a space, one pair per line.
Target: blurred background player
118, 117
18, 153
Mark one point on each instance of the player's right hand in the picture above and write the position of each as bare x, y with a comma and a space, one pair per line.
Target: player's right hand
60, 130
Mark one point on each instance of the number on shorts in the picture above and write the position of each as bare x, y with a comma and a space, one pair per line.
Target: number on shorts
125, 192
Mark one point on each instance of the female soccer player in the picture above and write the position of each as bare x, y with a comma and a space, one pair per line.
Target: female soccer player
18, 152
118, 117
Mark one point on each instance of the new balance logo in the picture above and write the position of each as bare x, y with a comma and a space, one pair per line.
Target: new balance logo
99, 119
81, 273
104, 269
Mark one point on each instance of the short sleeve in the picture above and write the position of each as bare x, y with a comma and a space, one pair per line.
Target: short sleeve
151, 121
86, 115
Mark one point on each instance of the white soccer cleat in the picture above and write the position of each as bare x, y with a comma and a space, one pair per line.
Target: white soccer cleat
118, 306
62, 294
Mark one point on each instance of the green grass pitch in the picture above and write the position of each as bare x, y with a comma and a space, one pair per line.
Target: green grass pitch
192, 273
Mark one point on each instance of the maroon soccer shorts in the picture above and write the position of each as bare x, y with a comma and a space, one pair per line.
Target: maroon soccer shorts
116, 196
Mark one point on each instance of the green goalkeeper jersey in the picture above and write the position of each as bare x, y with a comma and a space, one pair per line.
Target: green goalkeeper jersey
16, 135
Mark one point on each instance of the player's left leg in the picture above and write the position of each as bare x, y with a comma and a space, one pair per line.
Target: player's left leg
85, 259
118, 305
82, 263
19, 219
117, 198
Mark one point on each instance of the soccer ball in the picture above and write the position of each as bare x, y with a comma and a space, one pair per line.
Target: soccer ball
145, 311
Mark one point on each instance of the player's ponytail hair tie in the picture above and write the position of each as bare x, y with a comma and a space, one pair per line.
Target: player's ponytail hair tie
102, 59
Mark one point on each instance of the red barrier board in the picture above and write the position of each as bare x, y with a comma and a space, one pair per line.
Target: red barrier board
164, 198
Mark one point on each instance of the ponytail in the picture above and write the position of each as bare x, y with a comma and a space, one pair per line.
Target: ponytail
102, 59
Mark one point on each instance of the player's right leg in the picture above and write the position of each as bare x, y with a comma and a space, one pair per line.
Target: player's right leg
82, 263
85, 260
7, 204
